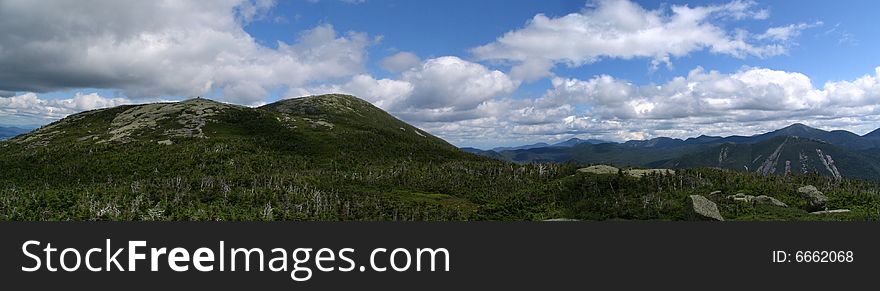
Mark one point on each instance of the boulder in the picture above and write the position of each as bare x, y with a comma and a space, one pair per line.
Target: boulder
700, 208
740, 197
767, 200
816, 201
758, 200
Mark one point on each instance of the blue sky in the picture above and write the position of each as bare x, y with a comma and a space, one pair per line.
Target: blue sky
477, 73
438, 28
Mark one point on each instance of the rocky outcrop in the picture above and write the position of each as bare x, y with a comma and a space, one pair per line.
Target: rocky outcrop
769, 165
767, 200
816, 200
700, 208
599, 169
740, 197
189, 117
722, 155
829, 164
756, 200
835, 211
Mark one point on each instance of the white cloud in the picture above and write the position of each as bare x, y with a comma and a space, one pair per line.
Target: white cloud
786, 33
249, 11
383, 93
29, 108
453, 83
400, 62
746, 102
624, 30
155, 48
749, 101
440, 89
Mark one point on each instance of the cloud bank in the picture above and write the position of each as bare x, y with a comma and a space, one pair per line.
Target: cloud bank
163, 48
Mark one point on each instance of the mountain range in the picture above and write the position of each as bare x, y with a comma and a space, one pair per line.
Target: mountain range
795, 149
337, 157
9, 132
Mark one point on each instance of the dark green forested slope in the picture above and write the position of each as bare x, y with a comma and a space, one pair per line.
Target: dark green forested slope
336, 157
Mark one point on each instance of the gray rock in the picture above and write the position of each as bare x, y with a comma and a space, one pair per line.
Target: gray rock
740, 197
830, 211
816, 201
700, 208
166, 142
767, 200
758, 200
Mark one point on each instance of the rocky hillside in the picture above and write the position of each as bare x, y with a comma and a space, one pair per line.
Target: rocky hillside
783, 155
315, 126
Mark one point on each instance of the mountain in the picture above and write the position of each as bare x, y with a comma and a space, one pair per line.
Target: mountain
567, 143
839, 138
703, 139
522, 147
9, 132
318, 157
326, 126
336, 157
784, 155
660, 142
606, 153
803, 149
576, 141
873, 135
490, 153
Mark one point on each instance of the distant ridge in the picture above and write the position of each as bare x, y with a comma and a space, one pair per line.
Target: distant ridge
10, 132
795, 149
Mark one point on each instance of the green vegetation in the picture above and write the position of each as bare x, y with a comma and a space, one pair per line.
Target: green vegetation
337, 157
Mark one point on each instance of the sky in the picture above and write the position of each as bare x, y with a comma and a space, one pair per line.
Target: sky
476, 73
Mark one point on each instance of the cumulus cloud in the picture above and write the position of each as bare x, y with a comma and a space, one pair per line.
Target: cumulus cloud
383, 93
28, 108
450, 82
400, 62
624, 30
249, 11
439, 89
749, 101
163, 48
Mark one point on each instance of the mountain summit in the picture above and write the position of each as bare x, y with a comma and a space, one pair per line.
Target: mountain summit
315, 126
